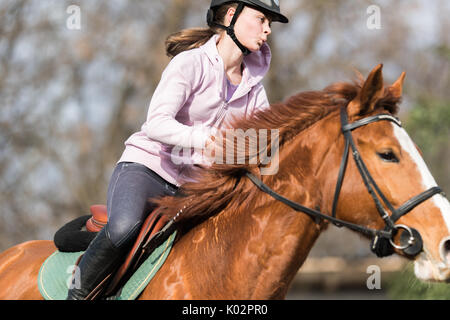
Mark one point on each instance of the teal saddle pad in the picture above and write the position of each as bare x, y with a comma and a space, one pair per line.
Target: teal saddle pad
56, 273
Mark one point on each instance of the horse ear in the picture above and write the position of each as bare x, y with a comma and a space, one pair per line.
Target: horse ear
371, 91
397, 88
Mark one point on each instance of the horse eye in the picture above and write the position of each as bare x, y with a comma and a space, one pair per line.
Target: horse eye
388, 156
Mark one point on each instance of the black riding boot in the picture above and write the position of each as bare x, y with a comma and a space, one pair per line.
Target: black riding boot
100, 259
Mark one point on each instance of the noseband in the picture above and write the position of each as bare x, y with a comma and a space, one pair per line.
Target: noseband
382, 240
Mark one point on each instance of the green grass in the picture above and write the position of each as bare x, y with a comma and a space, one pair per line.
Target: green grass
405, 286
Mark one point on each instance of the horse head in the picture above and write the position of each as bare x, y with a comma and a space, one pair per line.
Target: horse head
398, 169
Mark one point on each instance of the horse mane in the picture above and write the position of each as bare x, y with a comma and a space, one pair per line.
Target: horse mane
220, 186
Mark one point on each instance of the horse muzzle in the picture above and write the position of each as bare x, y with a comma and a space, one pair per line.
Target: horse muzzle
427, 269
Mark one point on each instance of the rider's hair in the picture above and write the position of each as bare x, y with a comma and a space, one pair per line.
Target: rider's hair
195, 37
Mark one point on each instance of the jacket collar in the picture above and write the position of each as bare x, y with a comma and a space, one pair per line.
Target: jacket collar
256, 64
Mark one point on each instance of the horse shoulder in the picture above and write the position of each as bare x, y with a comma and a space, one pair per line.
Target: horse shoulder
172, 281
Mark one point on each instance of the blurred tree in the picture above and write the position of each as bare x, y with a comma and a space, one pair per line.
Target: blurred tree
70, 98
405, 286
429, 124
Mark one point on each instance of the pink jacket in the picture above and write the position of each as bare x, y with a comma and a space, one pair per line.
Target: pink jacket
189, 105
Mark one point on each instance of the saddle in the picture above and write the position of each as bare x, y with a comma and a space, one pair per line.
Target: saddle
154, 231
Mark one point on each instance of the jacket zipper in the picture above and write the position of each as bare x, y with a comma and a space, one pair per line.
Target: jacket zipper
221, 113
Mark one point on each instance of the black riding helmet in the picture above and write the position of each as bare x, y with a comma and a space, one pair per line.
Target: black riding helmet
266, 6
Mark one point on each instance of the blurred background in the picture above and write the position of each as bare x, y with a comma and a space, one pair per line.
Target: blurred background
72, 91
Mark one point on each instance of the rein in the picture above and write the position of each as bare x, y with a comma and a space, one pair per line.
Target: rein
382, 240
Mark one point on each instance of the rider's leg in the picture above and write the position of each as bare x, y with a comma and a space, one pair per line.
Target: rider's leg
131, 187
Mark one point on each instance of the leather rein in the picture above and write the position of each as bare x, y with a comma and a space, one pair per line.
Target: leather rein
382, 244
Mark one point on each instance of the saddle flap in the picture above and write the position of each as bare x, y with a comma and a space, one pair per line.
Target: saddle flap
113, 282
152, 224
54, 272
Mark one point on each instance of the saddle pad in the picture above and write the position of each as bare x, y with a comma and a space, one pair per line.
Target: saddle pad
56, 272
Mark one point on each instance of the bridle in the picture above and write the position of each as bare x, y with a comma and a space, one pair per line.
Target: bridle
382, 244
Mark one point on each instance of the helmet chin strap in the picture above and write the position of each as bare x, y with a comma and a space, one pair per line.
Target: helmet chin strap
230, 28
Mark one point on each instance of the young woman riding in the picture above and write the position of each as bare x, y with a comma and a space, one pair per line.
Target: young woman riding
215, 74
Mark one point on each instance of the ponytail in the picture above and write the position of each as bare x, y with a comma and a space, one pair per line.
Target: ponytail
188, 39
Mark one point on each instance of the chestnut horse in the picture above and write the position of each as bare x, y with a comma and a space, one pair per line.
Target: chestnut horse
247, 244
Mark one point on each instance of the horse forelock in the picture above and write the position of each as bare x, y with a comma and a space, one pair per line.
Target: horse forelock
222, 185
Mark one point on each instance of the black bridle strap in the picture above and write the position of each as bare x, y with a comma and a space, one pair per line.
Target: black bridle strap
370, 184
364, 172
346, 130
414, 202
314, 213
363, 122
340, 179
369, 181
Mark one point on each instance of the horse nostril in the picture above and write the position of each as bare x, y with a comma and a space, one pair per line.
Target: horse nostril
445, 250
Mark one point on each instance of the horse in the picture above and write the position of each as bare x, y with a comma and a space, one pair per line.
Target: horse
246, 235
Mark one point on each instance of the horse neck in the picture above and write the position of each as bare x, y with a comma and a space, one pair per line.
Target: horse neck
258, 249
